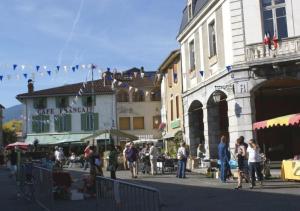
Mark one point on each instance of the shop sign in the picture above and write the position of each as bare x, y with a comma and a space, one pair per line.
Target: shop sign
53, 111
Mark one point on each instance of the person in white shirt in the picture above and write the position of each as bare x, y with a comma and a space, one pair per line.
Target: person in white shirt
181, 156
254, 160
153, 152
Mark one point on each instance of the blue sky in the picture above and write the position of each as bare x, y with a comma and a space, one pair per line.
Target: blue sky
110, 33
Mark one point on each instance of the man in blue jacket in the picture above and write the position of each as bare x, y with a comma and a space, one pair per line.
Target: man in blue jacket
224, 158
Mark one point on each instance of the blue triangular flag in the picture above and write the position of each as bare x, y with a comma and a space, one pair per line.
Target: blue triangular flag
77, 66
25, 75
73, 68
15, 66
228, 68
49, 72
37, 68
57, 67
1, 77
201, 73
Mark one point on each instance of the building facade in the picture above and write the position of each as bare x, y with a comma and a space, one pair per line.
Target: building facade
240, 65
67, 113
171, 88
138, 103
1, 124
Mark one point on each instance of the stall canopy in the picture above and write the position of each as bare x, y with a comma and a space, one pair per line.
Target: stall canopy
115, 132
52, 139
20, 145
293, 119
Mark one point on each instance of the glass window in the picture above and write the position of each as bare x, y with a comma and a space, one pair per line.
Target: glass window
62, 123
212, 39
172, 116
177, 107
124, 123
192, 55
62, 102
40, 124
138, 123
88, 101
40, 103
175, 73
274, 15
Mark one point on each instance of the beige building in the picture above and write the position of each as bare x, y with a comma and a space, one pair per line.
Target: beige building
171, 89
138, 103
1, 118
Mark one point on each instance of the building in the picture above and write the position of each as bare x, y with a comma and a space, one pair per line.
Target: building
138, 103
240, 65
1, 129
171, 89
67, 113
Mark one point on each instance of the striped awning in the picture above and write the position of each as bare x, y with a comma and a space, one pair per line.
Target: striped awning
293, 119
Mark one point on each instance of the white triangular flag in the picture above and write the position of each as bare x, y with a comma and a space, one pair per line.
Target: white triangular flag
142, 75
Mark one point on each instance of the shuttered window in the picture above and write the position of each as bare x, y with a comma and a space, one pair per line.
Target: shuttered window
87, 101
124, 123
63, 123
172, 117
40, 103
89, 121
62, 102
177, 107
40, 124
138, 123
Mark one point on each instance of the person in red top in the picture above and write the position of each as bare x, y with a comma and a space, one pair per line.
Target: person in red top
87, 154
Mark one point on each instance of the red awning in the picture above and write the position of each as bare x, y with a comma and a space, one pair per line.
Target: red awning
20, 145
293, 119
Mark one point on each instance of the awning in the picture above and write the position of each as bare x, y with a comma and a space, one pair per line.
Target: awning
117, 133
51, 139
168, 136
293, 119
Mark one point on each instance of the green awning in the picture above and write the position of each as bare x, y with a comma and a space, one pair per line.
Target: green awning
117, 133
51, 139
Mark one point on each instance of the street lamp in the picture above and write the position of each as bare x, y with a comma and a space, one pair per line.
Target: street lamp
217, 96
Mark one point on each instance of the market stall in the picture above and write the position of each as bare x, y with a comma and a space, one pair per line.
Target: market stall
287, 144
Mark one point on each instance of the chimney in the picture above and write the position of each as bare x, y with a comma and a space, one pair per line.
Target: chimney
30, 86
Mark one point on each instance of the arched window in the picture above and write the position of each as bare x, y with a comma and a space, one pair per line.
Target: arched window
155, 94
123, 96
138, 96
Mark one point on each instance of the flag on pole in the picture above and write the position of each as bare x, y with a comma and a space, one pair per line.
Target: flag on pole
201, 73
49, 72
15, 66
275, 41
37, 68
267, 40
25, 75
1, 77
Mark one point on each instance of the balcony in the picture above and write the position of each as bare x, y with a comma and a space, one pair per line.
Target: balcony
259, 53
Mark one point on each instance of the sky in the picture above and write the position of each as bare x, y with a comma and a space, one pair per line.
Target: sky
119, 34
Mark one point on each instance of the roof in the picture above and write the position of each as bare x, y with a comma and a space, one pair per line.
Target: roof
198, 5
2, 107
173, 55
68, 90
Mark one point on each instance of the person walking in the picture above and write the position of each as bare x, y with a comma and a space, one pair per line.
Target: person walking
153, 152
131, 156
113, 161
87, 155
13, 158
223, 153
145, 157
254, 160
125, 161
240, 151
181, 156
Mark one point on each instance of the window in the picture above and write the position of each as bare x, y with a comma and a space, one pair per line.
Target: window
40, 124
62, 102
138, 96
175, 74
155, 94
170, 77
156, 122
172, 117
87, 101
177, 107
212, 39
89, 121
124, 123
138, 123
63, 123
192, 55
123, 96
40, 103
274, 15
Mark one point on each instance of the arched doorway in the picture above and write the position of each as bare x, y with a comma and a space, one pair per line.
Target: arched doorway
196, 126
217, 120
271, 99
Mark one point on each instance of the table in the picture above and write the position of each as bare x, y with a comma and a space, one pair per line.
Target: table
290, 170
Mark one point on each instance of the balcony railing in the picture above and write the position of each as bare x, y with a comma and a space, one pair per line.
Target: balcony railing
286, 48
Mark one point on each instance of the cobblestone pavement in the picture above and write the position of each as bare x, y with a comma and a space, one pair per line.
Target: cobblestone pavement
196, 192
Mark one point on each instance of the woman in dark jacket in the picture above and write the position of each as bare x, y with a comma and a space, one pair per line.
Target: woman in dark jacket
113, 161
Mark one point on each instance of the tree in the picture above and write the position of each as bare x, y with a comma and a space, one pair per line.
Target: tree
10, 130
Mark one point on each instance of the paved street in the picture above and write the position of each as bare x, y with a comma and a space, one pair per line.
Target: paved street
193, 193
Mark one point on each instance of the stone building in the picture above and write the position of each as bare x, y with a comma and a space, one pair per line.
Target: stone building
240, 65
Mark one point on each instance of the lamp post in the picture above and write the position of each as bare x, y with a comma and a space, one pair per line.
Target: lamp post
93, 101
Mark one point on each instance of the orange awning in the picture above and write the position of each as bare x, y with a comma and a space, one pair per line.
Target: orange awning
292, 119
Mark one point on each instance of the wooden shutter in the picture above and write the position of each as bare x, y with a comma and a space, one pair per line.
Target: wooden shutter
83, 121
96, 121
138, 123
124, 123
68, 122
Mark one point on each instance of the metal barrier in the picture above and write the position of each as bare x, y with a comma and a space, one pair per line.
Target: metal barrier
121, 195
42, 183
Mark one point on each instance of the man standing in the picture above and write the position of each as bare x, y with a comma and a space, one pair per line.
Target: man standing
153, 152
223, 157
131, 156
181, 156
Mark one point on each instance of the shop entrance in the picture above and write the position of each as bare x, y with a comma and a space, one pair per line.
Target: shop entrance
196, 126
217, 120
276, 98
